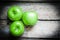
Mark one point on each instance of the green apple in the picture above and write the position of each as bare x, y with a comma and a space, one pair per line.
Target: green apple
17, 28
30, 18
15, 13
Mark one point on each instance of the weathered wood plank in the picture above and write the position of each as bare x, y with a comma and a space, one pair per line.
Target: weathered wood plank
42, 29
44, 10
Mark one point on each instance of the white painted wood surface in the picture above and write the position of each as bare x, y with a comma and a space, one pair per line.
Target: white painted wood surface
42, 28
44, 10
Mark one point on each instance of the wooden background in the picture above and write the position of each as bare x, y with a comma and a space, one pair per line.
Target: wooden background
48, 24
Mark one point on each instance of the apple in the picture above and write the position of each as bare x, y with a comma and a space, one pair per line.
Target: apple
30, 18
17, 28
15, 13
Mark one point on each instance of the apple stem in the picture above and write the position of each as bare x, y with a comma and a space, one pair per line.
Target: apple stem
14, 12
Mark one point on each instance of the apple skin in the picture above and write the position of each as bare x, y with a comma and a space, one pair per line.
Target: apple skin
30, 18
15, 13
17, 28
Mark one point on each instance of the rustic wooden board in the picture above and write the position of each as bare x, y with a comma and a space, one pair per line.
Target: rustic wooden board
44, 10
42, 28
